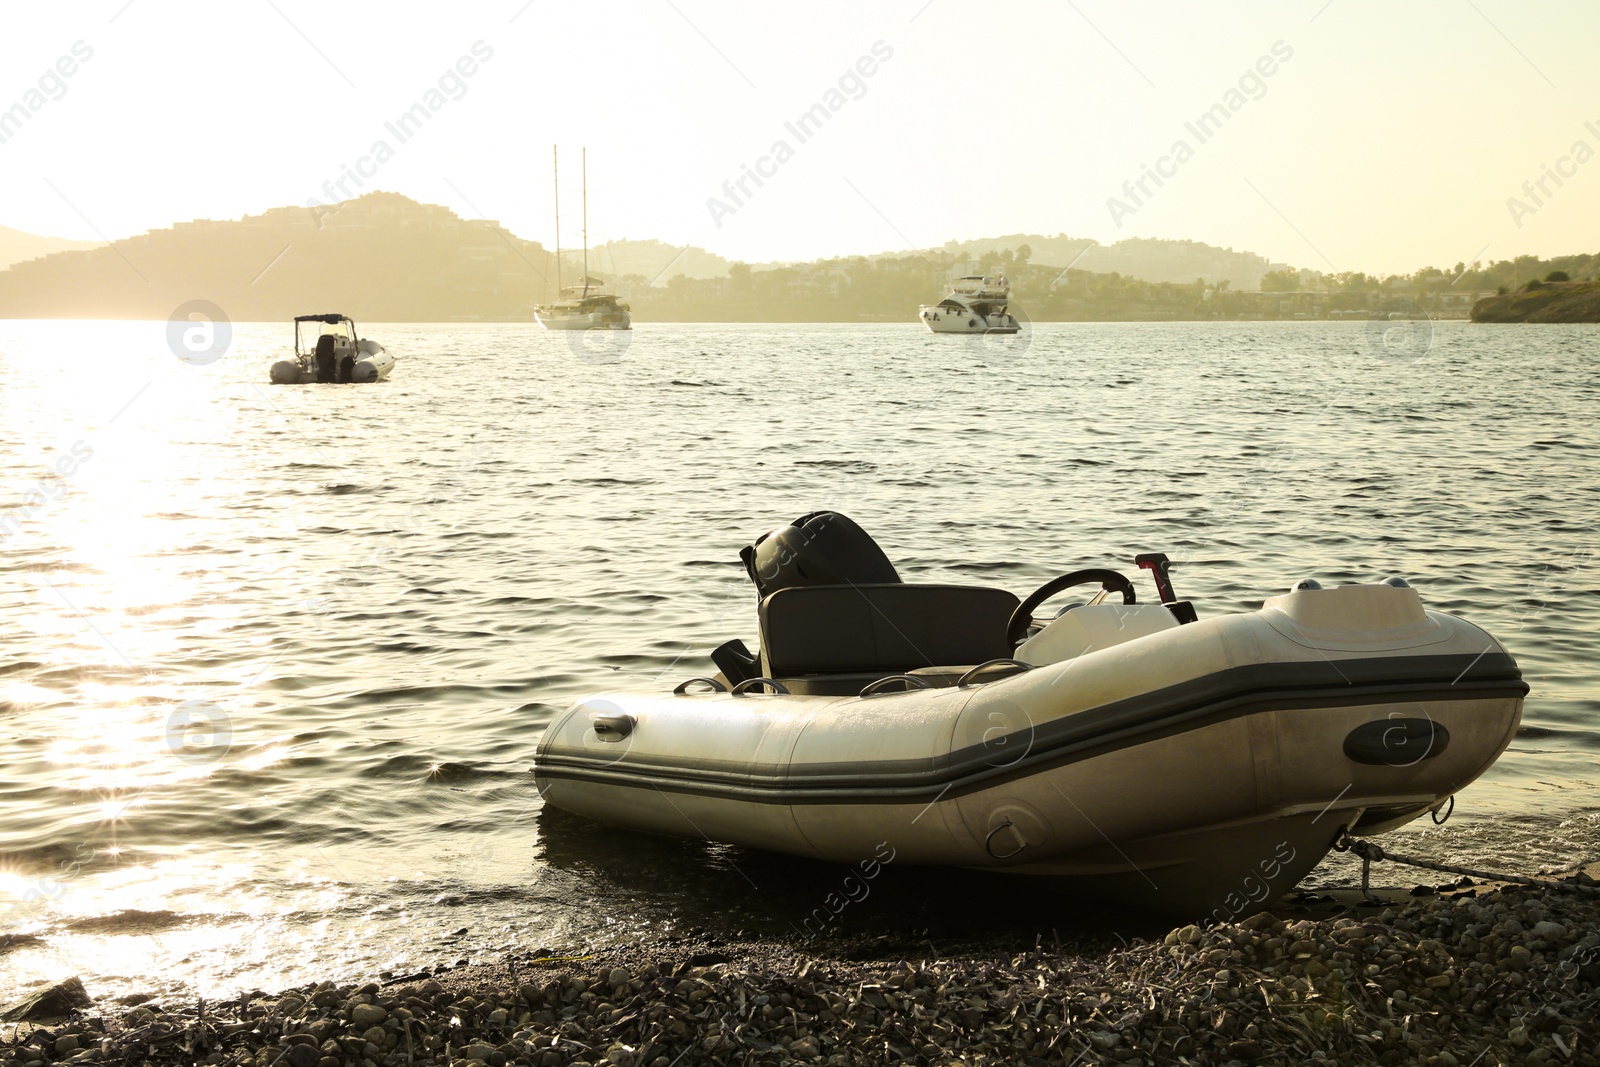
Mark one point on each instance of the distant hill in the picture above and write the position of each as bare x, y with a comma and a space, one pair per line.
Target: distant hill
380, 256
18, 247
655, 261
1180, 262
1147, 259
1055, 251
1543, 302
386, 257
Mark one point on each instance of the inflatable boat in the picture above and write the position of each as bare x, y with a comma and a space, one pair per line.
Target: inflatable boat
332, 353
1194, 766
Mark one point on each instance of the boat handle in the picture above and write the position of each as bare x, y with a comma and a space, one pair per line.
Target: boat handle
683, 687
911, 681
1014, 666
1007, 824
1448, 811
749, 683
612, 726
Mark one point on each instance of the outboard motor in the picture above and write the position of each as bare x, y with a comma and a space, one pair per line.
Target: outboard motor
822, 548
325, 359
347, 367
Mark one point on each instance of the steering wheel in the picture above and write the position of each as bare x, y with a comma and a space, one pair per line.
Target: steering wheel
1022, 618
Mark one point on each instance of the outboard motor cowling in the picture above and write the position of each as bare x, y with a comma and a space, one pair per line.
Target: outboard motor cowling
822, 548
326, 368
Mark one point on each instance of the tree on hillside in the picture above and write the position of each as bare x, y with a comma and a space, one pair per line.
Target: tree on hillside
1525, 267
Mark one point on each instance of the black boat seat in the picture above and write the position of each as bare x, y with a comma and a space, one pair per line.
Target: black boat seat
881, 629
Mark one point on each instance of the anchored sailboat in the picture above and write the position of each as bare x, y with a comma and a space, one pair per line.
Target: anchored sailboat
587, 306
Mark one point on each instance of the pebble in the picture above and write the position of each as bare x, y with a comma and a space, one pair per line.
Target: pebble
1500, 976
302, 1056
368, 1015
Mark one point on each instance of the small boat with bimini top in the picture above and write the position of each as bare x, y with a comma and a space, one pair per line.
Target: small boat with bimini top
1133, 750
326, 349
975, 304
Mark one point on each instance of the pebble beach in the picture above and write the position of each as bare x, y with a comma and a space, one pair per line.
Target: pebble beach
1456, 975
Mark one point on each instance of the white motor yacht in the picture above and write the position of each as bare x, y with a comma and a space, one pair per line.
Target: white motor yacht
974, 304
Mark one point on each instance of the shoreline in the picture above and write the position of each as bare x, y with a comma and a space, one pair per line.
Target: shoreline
1460, 975
885, 320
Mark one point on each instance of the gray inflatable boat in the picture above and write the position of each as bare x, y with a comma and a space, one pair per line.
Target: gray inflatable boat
1195, 767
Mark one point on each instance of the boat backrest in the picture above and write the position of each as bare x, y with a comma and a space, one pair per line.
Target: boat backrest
884, 628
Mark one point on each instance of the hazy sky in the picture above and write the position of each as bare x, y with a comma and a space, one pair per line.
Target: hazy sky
1348, 135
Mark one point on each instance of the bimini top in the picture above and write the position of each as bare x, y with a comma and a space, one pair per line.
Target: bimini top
331, 319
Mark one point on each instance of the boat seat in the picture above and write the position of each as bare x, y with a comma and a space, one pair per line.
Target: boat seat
881, 629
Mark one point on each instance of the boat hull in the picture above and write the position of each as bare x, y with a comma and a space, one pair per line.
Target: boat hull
1199, 771
944, 320
373, 365
584, 322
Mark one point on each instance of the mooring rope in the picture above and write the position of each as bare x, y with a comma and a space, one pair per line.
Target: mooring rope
1370, 852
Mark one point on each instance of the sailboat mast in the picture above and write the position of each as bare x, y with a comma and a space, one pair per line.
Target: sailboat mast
555, 163
586, 220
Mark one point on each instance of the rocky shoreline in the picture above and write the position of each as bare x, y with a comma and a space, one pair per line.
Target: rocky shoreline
1543, 302
1465, 976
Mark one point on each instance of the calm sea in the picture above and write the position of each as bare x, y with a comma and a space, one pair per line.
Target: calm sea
275, 658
